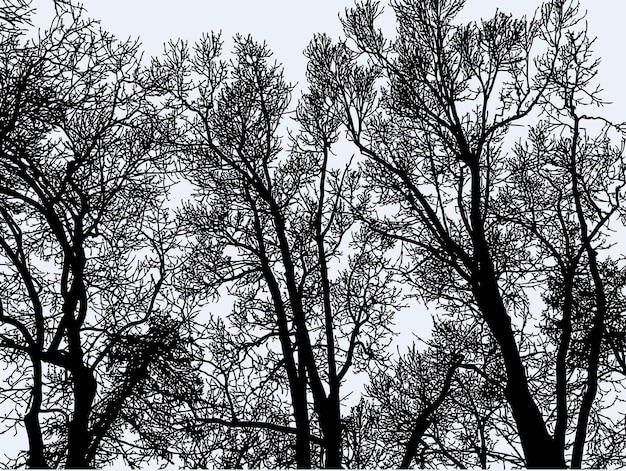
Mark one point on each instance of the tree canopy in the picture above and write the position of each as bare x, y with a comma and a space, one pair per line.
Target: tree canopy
203, 265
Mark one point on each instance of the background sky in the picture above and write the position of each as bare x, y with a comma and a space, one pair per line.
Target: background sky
288, 25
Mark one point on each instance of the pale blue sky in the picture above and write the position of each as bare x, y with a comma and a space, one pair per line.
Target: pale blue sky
288, 25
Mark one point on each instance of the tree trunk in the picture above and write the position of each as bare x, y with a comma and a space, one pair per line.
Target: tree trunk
330, 422
596, 333
296, 373
79, 434
36, 456
540, 449
560, 429
423, 420
327, 409
330, 416
297, 383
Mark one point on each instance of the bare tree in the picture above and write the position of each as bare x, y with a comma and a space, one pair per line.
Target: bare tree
440, 405
103, 355
270, 225
566, 192
432, 110
83, 239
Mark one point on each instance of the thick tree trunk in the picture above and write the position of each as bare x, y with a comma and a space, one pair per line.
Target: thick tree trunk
328, 409
301, 416
540, 449
79, 434
296, 372
296, 375
421, 425
330, 416
423, 420
36, 455
330, 422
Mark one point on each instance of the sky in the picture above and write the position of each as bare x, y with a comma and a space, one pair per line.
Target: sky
287, 28
288, 25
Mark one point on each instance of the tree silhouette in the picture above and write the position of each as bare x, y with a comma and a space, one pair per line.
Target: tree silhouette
234, 329
439, 406
269, 224
566, 193
432, 111
83, 238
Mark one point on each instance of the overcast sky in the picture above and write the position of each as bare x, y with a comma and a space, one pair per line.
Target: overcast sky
288, 25
287, 29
